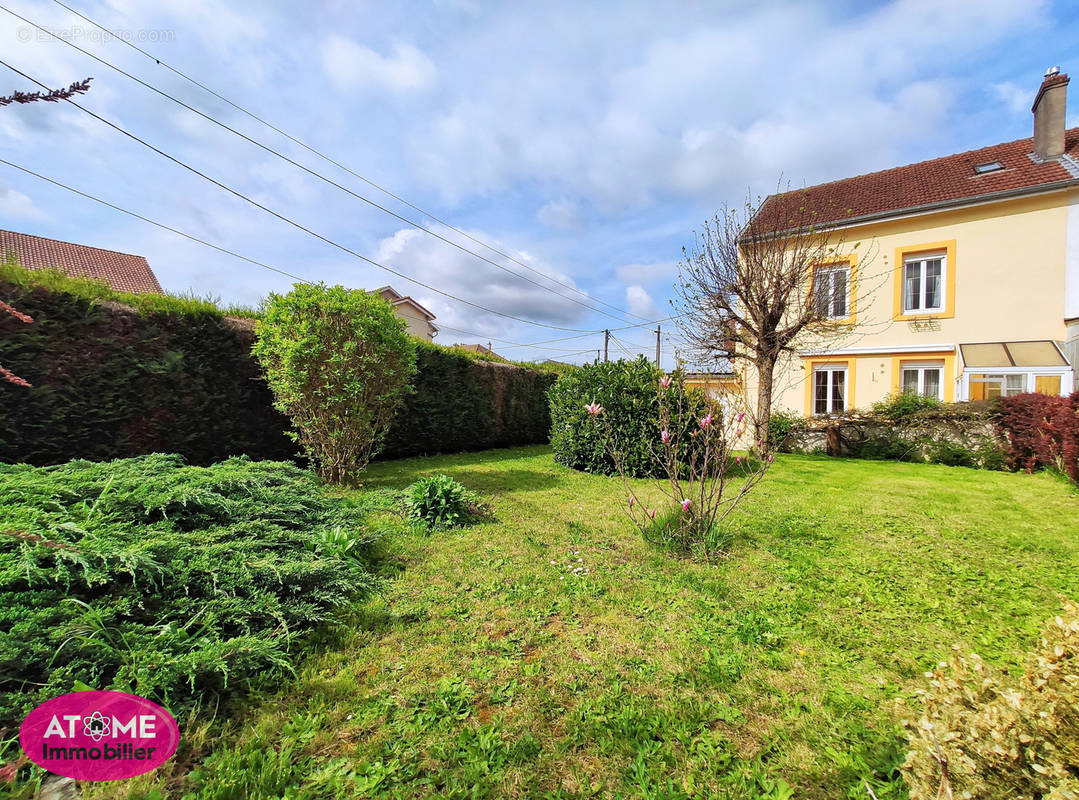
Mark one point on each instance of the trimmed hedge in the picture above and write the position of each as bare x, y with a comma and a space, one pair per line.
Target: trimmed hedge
461, 403
116, 376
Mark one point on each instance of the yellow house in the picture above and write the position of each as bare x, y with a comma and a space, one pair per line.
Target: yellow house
968, 286
417, 318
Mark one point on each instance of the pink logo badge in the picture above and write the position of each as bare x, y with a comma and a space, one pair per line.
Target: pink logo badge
99, 736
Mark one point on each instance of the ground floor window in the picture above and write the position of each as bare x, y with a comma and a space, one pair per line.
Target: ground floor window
988, 385
829, 389
924, 380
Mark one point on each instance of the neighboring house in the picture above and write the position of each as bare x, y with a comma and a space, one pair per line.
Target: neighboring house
479, 348
971, 275
121, 271
713, 384
415, 316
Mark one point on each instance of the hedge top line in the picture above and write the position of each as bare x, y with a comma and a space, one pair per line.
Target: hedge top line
239, 317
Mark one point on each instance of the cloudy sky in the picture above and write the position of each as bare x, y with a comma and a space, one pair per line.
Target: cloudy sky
585, 141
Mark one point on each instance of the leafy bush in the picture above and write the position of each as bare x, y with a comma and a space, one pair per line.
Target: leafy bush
166, 580
782, 425
627, 390
903, 404
439, 501
1043, 431
983, 739
339, 362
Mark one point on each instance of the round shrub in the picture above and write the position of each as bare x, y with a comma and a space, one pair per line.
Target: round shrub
339, 362
629, 392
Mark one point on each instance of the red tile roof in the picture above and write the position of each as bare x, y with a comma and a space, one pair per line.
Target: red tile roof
942, 180
121, 271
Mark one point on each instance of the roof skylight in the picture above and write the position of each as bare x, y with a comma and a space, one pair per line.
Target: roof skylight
989, 166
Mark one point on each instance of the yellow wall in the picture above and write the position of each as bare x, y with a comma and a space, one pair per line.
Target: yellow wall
1004, 282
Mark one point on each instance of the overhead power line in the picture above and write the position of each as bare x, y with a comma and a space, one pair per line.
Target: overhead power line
330, 181
219, 248
331, 161
292, 222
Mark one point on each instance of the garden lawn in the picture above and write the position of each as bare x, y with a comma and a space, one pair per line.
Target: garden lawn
551, 652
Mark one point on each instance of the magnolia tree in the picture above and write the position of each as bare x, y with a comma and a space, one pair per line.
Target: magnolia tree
339, 362
704, 475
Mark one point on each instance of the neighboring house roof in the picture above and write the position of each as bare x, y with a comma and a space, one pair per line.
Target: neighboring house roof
940, 182
478, 348
122, 271
396, 298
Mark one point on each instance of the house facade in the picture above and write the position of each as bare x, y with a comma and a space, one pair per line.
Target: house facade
956, 278
419, 321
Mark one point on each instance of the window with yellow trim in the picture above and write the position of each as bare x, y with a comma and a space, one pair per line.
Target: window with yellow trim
829, 389
924, 281
924, 380
831, 291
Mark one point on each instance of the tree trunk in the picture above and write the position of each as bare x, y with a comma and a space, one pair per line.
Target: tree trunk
765, 382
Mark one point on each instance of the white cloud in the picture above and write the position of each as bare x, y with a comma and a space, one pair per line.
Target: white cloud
352, 66
640, 303
433, 262
18, 205
1017, 99
563, 214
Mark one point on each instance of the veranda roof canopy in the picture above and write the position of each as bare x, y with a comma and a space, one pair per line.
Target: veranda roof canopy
1043, 353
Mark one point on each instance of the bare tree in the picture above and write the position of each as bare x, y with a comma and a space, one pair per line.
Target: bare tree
749, 290
50, 96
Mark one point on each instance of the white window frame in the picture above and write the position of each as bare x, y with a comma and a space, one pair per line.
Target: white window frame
830, 369
828, 271
922, 368
922, 260
1067, 377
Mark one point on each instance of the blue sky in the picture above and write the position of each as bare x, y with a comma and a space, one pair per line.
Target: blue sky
588, 140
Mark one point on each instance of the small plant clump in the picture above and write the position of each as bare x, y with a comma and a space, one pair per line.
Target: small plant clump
904, 404
438, 501
980, 738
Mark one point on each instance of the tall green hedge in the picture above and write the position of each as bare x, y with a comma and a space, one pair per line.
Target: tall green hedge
459, 402
175, 375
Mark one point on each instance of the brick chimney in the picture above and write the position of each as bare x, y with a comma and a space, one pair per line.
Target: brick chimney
1048, 110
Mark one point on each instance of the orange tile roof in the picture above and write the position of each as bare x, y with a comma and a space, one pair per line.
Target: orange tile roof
121, 271
942, 180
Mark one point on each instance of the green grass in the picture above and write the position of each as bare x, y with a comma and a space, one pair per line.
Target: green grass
490, 669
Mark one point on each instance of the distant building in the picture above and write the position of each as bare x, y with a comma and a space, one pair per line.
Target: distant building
121, 271
418, 318
479, 348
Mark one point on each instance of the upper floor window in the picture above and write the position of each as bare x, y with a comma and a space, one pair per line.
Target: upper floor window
831, 288
923, 284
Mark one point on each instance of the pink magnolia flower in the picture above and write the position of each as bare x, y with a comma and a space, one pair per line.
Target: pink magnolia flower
771, 458
685, 504
594, 409
652, 514
631, 499
738, 460
665, 436
665, 381
741, 416
706, 421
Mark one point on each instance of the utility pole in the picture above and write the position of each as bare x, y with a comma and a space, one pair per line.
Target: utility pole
606, 341
658, 326
597, 355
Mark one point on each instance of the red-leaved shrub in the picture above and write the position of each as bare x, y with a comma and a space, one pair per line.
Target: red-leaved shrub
1043, 431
